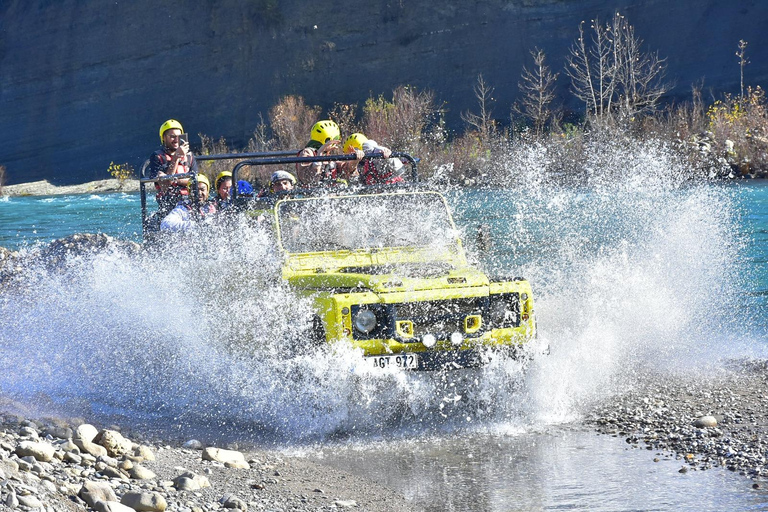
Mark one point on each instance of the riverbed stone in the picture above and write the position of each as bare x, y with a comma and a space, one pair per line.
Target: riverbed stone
86, 432
39, 450
91, 448
705, 422
193, 444
139, 472
144, 501
114, 442
191, 481
30, 501
111, 506
92, 491
230, 458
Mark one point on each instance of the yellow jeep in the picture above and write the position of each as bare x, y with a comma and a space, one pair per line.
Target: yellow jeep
387, 273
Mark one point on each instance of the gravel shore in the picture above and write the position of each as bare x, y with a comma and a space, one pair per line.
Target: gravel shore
718, 422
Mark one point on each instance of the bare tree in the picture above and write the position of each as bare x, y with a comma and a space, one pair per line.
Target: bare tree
743, 61
483, 122
538, 92
611, 73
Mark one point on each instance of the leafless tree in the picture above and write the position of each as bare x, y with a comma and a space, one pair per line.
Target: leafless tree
483, 122
612, 75
537, 87
743, 61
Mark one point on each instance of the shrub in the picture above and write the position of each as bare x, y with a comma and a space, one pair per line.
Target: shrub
121, 172
291, 120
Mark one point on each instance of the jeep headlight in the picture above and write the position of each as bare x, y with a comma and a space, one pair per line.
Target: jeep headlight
364, 321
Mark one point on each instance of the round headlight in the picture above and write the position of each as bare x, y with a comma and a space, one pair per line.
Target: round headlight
429, 340
456, 339
365, 321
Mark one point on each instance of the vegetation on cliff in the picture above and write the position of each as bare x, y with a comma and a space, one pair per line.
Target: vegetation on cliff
620, 85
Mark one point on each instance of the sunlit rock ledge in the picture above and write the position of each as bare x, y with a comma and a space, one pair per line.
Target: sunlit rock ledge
45, 188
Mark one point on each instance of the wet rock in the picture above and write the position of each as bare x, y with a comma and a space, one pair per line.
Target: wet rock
144, 501
39, 450
230, 458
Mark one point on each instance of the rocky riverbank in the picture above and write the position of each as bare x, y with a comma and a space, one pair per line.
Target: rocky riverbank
717, 422
45, 188
53, 465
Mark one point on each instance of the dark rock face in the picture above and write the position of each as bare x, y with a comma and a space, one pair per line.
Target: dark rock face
84, 83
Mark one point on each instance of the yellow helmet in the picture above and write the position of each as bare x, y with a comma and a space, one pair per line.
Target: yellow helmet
324, 131
202, 178
356, 140
221, 176
169, 125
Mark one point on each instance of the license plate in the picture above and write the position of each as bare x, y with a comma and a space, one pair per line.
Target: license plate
402, 361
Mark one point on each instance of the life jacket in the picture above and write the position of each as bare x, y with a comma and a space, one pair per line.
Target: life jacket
174, 189
371, 174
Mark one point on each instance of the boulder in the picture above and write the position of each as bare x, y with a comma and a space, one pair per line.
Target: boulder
142, 452
39, 450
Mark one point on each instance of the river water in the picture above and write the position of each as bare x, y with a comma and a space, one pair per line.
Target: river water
646, 272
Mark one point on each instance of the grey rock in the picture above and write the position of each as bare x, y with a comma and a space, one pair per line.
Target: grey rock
705, 422
230, 501
345, 503
114, 442
39, 450
111, 506
230, 458
193, 444
30, 501
139, 472
144, 501
190, 481
86, 432
11, 501
91, 492
91, 448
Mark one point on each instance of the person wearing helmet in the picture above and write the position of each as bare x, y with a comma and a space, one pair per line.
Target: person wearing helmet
181, 218
374, 171
223, 190
325, 139
281, 182
173, 157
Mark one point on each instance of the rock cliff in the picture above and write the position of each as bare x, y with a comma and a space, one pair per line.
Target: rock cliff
87, 82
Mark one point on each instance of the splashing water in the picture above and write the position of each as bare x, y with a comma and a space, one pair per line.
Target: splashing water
632, 273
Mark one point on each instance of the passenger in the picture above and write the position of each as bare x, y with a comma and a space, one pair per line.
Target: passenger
182, 218
374, 171
223, 190
173, 157
325, 139
282, 182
